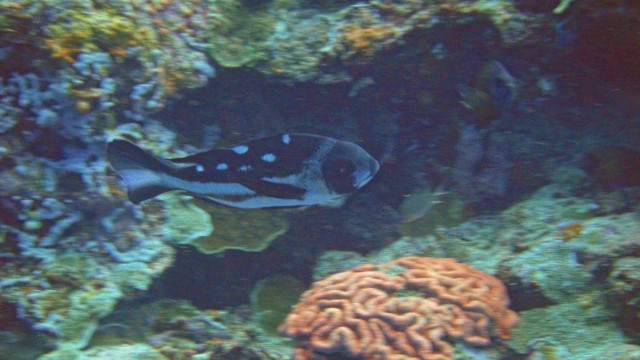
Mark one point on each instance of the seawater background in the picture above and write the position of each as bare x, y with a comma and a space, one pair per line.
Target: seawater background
510, 180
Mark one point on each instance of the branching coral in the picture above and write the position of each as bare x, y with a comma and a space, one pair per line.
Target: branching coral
409, 308
77, 31
154, 49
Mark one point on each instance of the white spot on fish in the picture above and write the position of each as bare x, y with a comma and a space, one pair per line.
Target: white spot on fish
199, 168
268, 157
240, 149
222, 166
244, 168
286, 138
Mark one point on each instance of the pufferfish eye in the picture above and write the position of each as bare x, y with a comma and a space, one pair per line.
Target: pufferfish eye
339, 175
345, 167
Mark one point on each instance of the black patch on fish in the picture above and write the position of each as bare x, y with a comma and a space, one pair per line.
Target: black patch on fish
289, 159
227, 197
338, 174
275, 190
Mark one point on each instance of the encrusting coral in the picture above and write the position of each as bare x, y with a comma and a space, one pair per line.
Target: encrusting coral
409, 308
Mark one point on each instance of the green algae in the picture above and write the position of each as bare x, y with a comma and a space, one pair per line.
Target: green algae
121, 351
185, 222
212, 228
272, 299
239, 33
241, 229
553, 268
569, 331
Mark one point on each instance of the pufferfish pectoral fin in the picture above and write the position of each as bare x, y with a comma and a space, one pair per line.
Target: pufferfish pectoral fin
140, 171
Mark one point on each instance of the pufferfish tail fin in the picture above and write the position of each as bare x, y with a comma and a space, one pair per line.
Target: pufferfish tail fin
140, 171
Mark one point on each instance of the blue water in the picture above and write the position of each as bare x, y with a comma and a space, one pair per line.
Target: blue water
507, 134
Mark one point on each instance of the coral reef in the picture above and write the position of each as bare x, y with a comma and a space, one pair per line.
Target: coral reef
411, 308
211, 228
303, 42
77, 260
619, 352
65, 281
125, 351
239, 32
624, 287
287, 40
185, 222
90, 45
560, 330
176, 330
29, 97
71, 249
562, 258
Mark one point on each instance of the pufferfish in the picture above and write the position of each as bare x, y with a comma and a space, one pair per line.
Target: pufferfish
286, 170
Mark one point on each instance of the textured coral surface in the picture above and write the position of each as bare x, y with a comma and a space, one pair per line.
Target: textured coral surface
409, 308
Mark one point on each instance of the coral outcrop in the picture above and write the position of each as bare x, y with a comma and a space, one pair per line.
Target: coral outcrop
108, 57
213, 229
570, 264
409, 308
177, 330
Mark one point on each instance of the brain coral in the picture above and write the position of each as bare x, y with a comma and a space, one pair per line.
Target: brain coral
409, 308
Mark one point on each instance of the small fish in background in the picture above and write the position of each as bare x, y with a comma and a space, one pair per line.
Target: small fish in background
420, 202
286, 170
492, 92
613, 166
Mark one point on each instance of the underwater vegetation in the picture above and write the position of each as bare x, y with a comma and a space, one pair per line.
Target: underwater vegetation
503, 221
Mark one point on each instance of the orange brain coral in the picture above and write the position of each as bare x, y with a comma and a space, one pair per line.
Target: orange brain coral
409, 308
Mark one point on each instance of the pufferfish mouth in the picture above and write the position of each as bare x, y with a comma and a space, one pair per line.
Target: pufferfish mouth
364, 175
363, 181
